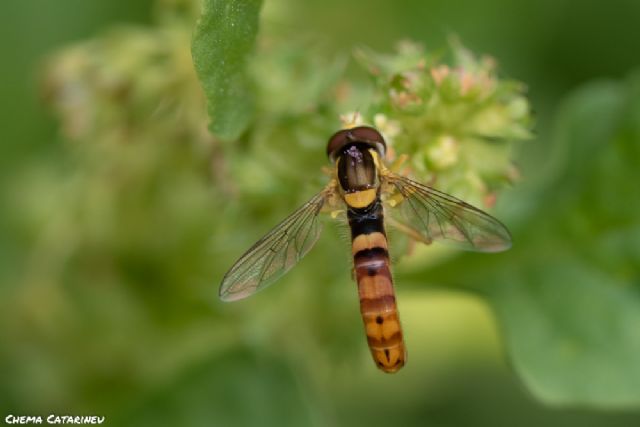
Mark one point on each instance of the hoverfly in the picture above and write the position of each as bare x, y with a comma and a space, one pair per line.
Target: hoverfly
363, 186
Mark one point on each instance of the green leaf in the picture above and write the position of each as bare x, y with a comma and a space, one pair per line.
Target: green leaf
236, 389
567, 296
222, 42
572, 317
573, 332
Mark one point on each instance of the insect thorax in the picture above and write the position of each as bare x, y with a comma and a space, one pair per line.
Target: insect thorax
356, 169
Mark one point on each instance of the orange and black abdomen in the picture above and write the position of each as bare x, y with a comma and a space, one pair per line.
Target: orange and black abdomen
375, 287
358, 177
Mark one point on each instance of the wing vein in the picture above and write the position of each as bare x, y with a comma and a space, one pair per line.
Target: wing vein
435, 215
275, 253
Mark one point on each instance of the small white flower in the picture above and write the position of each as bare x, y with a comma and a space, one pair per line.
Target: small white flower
444, 152
351, 119
389, 128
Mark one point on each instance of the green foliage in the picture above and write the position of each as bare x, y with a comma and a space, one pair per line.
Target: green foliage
572, 317
223, 39
123, 231
118, 226
567, 295
237, 389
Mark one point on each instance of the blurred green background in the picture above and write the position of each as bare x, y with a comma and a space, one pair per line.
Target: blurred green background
111, 254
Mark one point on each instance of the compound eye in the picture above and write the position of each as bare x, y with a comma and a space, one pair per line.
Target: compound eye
367, 134
364, 134
337, 142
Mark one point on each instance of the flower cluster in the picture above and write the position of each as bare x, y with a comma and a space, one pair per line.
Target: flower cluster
457, 122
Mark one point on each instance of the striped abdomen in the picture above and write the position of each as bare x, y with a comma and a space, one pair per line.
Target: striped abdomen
375, 288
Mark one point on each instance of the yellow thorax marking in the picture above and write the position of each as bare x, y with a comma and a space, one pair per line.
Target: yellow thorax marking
360, 199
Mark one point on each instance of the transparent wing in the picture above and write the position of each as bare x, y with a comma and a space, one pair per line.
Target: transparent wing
434, 215
273, 255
